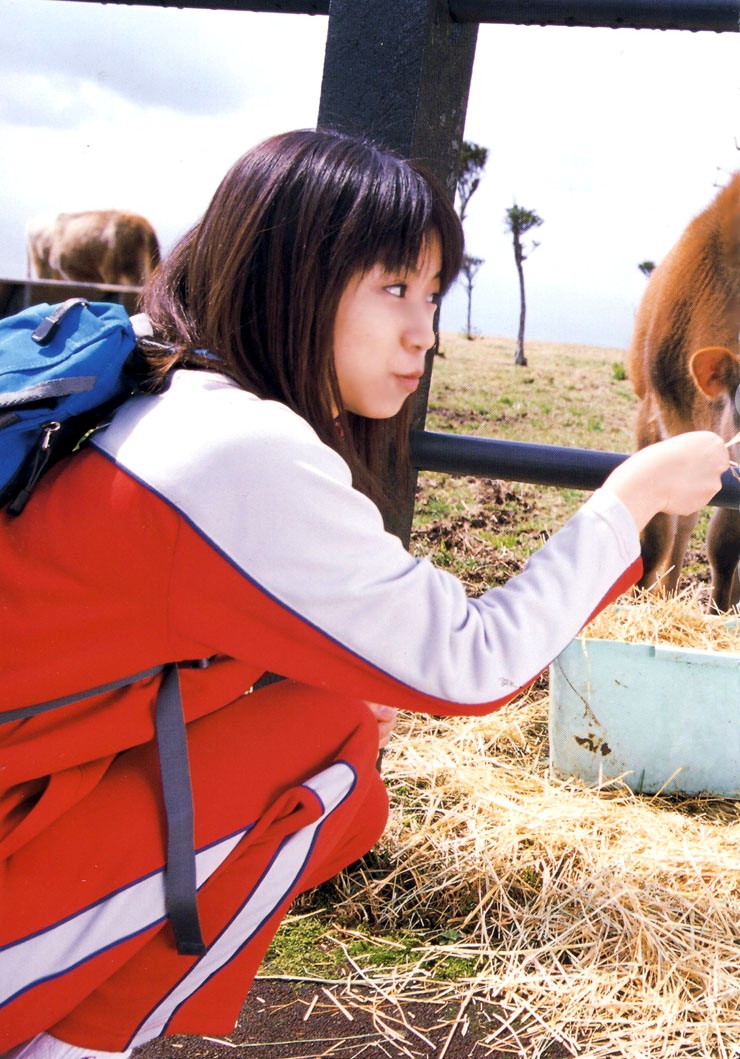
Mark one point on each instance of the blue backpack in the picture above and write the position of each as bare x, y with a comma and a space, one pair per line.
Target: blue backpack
63, 371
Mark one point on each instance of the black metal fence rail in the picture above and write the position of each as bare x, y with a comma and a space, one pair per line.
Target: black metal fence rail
18, 294
517, 461
720, 16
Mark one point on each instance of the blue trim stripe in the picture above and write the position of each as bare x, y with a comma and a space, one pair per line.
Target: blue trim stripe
79, 938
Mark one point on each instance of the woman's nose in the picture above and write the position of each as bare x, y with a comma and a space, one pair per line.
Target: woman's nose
420, 333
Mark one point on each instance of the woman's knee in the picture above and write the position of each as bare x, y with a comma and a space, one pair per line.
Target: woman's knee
274, 739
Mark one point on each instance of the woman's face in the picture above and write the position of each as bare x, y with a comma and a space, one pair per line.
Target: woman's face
383, 328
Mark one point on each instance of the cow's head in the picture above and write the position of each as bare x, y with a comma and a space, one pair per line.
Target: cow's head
716, 372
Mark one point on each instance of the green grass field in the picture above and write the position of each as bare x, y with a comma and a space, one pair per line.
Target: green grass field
568, 395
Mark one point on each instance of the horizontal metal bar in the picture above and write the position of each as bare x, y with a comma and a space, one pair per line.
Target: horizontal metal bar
518, 461
717, 15
286, 7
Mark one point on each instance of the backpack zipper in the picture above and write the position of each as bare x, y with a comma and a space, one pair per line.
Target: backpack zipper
41, 456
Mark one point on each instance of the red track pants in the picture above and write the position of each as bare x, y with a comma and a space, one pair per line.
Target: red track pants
286, 794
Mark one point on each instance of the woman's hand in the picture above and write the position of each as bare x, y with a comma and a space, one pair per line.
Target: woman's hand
386, 718
678, 476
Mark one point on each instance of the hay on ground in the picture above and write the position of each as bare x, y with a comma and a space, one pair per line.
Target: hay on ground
604, 922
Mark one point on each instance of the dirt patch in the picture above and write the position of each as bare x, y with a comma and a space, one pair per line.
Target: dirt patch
463, 539
300, 1020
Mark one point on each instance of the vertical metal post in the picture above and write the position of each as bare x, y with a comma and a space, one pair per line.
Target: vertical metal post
400, 73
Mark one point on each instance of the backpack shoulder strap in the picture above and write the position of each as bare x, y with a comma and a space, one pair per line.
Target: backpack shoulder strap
181, 886
23, 712
181, 901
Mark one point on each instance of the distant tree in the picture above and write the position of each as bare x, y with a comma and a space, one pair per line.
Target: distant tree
646, 267
519, 221
470, 266
473, 159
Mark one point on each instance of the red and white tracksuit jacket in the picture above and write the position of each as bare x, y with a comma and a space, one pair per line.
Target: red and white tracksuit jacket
204, 521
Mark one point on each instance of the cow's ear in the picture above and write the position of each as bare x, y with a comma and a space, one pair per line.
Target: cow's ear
713, 370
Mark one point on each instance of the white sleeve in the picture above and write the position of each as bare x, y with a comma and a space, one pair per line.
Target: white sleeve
256, 481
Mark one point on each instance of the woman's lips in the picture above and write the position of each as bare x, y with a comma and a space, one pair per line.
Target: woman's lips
409, 382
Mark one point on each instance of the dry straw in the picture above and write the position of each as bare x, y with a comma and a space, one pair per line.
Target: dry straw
601, 923
678, 621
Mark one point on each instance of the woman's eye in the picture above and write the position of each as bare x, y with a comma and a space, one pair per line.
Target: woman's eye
434, 298
398, 290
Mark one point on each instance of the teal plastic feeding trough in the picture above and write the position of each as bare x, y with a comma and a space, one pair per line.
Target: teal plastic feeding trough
659, 718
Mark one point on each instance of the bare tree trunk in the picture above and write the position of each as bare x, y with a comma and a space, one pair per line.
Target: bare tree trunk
469, 334
519, 357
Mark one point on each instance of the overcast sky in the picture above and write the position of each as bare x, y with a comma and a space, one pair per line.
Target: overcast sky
615, 137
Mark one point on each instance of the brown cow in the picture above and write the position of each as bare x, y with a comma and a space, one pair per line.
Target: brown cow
684, 364
96, 246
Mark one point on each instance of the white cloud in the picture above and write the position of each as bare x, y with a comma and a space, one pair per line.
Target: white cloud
40, 101
195, 61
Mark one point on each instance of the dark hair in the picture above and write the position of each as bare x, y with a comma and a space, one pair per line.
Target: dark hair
258, 279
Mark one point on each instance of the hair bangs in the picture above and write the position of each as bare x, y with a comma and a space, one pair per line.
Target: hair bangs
399, 211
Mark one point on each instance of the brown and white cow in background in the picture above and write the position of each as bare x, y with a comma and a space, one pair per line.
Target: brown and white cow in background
684, 364
96, 246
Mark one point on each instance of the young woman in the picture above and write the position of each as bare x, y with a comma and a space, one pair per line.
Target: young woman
233, 515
